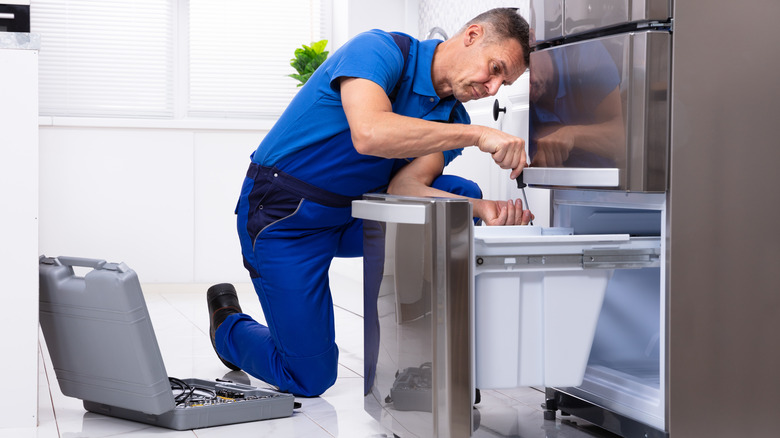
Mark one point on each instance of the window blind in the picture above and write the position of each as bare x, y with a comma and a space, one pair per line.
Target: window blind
172, 58
240, 51
105, 58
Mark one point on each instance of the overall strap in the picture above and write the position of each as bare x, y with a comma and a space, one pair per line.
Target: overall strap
403, 42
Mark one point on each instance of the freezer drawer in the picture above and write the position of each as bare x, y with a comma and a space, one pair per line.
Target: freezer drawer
537, 298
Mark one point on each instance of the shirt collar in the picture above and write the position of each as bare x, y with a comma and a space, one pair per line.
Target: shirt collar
423, 83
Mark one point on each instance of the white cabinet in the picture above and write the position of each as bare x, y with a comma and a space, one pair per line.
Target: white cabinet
19, 256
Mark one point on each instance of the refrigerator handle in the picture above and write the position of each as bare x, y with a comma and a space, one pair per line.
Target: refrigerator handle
391, 212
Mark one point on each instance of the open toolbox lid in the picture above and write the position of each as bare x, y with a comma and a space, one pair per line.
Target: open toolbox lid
99, 335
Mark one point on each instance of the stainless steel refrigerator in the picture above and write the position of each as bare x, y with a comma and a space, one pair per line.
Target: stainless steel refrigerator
652, 125
683, 351
599, 137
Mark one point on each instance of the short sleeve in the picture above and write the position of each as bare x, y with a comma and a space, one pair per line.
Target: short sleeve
371, 55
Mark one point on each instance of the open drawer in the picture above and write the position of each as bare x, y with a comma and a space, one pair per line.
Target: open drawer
450, 307
537, 298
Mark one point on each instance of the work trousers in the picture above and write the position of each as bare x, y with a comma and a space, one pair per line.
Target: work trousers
290, 232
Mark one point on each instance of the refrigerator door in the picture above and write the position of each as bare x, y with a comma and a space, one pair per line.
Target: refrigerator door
417, 338
599, 113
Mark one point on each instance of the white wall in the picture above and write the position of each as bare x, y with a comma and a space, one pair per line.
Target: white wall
354, 16
451, 15
161, 200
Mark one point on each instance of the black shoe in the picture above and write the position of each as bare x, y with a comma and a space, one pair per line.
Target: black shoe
223, 302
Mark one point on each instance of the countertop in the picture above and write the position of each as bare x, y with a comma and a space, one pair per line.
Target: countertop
20, 40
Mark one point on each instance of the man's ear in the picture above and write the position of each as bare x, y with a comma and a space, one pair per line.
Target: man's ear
472, 34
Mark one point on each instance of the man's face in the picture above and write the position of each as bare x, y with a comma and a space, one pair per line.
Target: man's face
486, 66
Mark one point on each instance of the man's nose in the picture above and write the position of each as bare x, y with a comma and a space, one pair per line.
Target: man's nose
492, 86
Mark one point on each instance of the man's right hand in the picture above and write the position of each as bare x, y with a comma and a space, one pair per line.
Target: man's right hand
507, 150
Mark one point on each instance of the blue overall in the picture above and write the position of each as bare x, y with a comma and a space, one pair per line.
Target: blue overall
294, 212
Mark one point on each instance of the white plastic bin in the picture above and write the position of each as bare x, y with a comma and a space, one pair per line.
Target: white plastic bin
537, 298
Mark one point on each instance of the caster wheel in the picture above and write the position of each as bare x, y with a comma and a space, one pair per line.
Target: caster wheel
549, 415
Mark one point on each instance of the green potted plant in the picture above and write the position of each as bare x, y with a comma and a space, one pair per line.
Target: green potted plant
307, 59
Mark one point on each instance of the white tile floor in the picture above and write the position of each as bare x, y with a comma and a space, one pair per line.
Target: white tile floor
180, 320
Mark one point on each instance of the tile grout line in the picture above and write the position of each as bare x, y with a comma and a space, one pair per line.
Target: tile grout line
174, 307
318, 424
348, 311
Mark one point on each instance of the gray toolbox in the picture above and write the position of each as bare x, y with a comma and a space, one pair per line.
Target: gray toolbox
104, 352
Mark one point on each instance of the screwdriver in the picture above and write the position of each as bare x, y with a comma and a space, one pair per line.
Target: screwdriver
521, 185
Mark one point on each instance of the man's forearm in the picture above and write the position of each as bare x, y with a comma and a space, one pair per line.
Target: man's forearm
390, 135
377, 131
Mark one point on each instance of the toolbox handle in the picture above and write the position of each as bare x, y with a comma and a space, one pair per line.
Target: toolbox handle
81, 261
96, 264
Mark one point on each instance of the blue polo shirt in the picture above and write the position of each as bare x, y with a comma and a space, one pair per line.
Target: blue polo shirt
311, 140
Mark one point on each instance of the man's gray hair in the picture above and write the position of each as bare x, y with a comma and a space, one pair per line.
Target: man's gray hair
501, 24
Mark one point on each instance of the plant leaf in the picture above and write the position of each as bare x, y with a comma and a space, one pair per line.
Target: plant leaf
307, 59
319, 46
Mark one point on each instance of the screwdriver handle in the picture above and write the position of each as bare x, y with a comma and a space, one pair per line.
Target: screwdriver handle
520, 183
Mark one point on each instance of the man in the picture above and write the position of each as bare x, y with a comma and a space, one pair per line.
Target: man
352, 129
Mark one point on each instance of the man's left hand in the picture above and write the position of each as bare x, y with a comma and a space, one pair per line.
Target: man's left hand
503, 212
